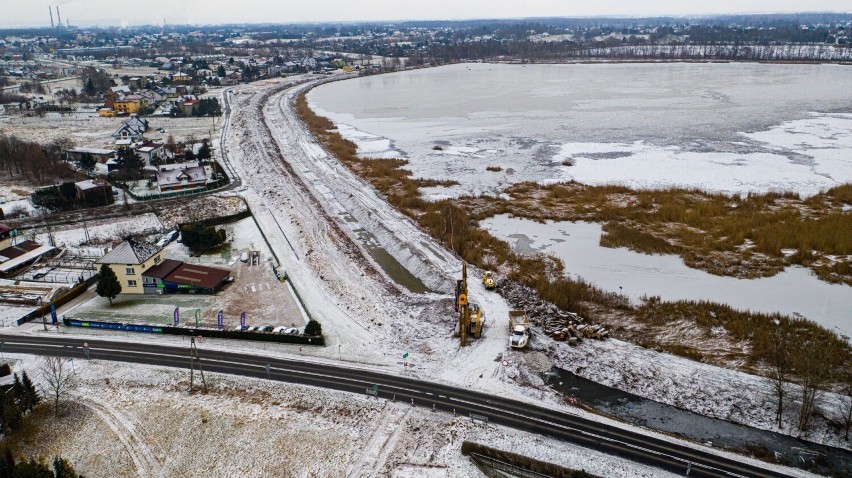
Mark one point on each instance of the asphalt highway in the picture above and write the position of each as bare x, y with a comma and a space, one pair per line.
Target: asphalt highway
632, 445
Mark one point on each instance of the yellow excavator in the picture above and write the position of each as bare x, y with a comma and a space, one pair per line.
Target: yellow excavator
488, 280
470, 315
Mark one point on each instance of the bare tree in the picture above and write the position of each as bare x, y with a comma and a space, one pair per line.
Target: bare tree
845, 403
779, 361
58, 375
814, 357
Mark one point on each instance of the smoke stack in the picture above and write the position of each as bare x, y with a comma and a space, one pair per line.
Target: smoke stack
50, 9
58, 17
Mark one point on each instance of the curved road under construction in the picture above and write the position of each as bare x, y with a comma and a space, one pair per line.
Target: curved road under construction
626, 444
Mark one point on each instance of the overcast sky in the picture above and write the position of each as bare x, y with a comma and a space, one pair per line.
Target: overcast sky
114, 12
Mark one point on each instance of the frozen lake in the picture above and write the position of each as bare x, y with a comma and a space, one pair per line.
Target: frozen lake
732, 128
794, 291
723, 127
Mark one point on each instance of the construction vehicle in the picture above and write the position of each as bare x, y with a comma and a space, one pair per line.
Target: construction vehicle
519, 327
470, 315
488, 280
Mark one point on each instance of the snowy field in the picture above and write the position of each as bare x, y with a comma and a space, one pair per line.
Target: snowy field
793, 291
135, 421
731, 128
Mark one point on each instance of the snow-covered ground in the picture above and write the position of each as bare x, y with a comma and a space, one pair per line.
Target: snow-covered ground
311, 208
146, 424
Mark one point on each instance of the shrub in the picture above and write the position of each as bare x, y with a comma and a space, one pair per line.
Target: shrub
199, 238
313, 328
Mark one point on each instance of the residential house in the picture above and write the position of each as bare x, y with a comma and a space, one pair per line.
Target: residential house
181, 78
129, 260
95, 192
100, 155
151, 151
125, 106
133, 128
181, 179
188, 106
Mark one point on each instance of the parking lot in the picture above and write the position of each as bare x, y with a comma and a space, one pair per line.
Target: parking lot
255, 290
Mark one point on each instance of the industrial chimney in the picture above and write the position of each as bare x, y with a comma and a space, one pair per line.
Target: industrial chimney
50, 9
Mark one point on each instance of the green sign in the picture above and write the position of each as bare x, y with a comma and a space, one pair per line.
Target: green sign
405, 355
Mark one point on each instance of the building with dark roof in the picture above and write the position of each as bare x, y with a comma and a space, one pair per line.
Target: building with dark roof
193, 278
141, 269
152, 279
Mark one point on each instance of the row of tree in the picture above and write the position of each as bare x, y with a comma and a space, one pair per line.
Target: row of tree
16, 403
805, 361
65, 197
34, 162
31, 468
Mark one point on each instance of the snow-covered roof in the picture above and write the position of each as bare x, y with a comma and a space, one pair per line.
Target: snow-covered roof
90, 184
98, 151
177, 176
130, 252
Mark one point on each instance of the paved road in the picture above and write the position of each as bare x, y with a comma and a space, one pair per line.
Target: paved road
626, 444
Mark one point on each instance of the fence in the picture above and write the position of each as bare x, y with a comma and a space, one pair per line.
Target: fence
212, 333
72, 294
275, 269
517, 465
507, 467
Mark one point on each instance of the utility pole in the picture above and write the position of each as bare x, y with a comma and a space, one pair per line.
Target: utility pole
193, 360
462, 306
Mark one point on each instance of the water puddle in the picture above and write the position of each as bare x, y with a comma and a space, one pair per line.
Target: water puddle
710, 431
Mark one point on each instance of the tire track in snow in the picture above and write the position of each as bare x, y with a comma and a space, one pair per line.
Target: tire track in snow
381, 444
146, 463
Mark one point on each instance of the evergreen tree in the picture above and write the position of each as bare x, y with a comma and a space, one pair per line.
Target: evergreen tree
32, 394
63, 469
220, 72
129, 162
10, 414
313, 328
7, 464
32, 469
108, 285
19, 393
204, 152
87, 163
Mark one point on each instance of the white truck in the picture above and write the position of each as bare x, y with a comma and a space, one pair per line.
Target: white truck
519, 327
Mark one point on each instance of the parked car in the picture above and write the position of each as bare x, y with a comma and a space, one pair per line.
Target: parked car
172, 235
252, 328
291, 331
265, 328
279, 330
